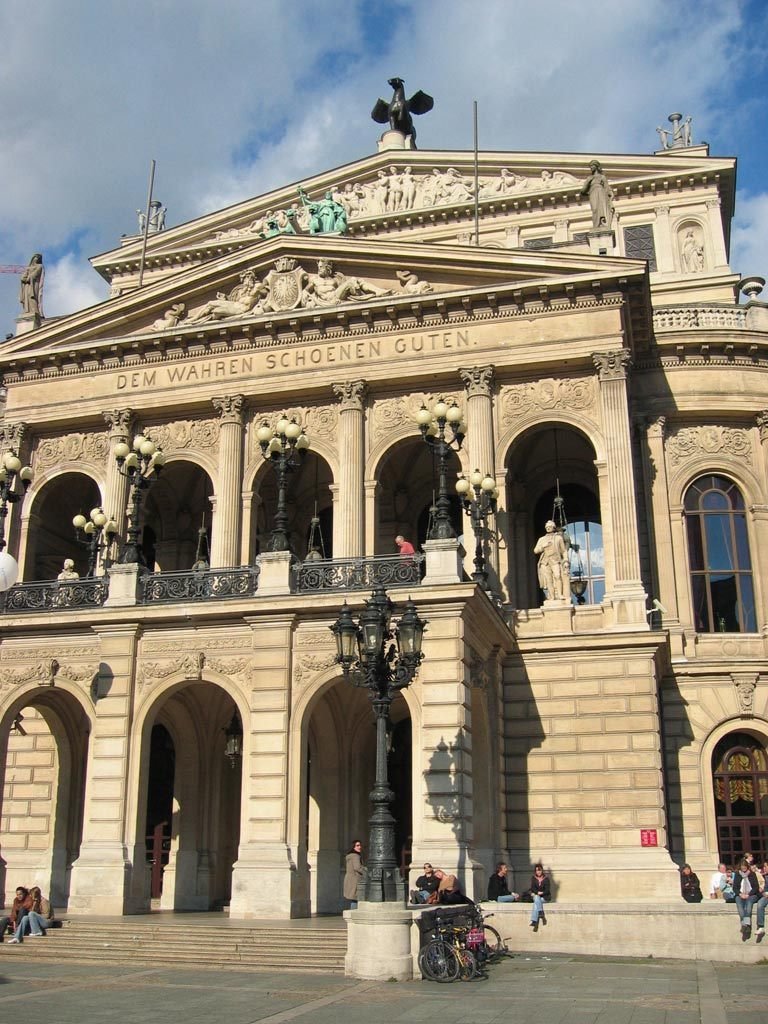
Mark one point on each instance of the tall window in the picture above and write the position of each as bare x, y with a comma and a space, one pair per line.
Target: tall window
718, 546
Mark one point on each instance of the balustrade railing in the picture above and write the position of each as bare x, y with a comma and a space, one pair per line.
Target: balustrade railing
679, 318
199, 585
53, 595
358, 573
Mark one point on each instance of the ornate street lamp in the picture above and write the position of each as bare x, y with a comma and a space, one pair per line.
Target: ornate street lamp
96, 535
141, 466
479, 506
233, 740
385, 661
284, 448
434, 424
14, 484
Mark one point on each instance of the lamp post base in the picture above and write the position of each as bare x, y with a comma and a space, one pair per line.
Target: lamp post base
383, 885
379, 942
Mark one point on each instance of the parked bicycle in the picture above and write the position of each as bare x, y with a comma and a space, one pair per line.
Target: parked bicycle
457, 944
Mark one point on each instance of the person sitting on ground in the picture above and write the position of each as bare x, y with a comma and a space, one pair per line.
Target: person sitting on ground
747, 889
448, 890
498, 886
39, 919
541, 893
690, 887
21, 906
426, 884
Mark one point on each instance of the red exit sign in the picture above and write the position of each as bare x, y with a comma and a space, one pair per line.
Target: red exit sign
649, 837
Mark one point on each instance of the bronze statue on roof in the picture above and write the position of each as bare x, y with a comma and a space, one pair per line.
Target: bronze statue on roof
398, 111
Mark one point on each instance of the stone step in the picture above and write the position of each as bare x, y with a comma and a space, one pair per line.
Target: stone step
269, 948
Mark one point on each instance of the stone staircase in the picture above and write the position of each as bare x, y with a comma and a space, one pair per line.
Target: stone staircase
134, 940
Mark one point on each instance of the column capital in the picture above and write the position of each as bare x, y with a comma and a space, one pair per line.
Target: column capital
663, 208
119, 420
713, 204
351, 394
12, 434
761, 419
229, 407
656, 428
612, 365
477, 380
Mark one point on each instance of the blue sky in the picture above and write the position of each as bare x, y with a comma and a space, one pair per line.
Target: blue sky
233, 98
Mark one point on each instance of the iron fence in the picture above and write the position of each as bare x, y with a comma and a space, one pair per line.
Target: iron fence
358, 573
199, 585
52, 595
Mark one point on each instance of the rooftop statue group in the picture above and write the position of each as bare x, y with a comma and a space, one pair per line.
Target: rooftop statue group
680, 135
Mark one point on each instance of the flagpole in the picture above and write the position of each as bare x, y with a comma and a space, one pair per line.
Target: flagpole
477, 182
146, 221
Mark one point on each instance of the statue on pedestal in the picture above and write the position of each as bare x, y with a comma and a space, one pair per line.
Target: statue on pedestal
398, 111
554, 567
600, 195
326, 216
31, 289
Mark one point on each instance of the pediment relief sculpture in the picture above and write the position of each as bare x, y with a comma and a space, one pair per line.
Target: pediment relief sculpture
397, 190
288, 286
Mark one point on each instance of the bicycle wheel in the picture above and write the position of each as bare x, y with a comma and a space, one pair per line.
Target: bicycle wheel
494, 943
467, 964
437, 962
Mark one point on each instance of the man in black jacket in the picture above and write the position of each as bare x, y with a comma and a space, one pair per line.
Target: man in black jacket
426, 884
498, 887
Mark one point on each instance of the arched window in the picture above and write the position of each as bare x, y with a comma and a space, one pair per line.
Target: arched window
718, 548
740, 779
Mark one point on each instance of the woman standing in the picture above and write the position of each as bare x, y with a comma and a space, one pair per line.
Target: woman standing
353, 874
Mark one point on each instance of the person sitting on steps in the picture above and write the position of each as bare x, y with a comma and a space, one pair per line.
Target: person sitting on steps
498, 886
541, 893
426, 884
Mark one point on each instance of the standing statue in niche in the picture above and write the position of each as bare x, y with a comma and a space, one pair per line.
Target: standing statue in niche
600, 195
31, 288
692, 253
554, 568
398, 111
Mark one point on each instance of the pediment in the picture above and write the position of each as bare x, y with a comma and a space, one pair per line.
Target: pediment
311, 280
412, 191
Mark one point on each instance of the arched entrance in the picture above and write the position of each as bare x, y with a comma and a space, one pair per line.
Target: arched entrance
43, 754
740, 782
548, 462
308, 497
189, 807
51, 535
177, 505
340, 759
408, 482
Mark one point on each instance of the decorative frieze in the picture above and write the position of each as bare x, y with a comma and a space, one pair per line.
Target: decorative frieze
90, 448
306, 666
571, 393
390, 414
690, 442
683, 318
45, 672
185, 434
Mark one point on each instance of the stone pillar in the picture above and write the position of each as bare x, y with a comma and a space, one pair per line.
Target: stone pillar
718, 257
625, 602
655, 474
101, 880
120, 422
265, 879
478, 382
371, 523
225, 534
351, 507
17, 522
663, 241
759, 550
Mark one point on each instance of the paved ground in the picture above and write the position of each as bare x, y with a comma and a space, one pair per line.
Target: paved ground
544, 990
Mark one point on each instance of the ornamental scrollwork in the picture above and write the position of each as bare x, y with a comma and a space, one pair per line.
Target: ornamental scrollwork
576, 394
388, 414
92, 448
351, 394
745, 684
185, 434
689, 442
306, 666
614, 365
478, 380
190, 665
229, 407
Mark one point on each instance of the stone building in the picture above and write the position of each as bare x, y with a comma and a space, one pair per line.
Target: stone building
186, 735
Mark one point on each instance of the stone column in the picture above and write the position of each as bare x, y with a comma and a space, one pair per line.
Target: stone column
625, 602
718, 257
759, 550
655, 472
120, 422
662, 236
103, 876
478, 382
225, 534
350, 534
17, 523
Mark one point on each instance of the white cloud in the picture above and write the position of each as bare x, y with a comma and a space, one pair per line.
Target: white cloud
71, 285
237, 97
749, 241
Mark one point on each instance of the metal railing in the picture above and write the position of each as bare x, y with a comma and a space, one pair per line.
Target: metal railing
358, 573
53, 595
199, 585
